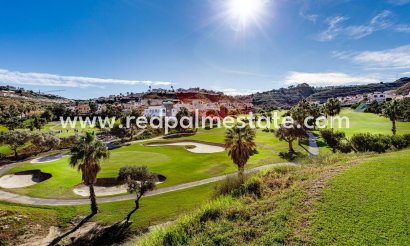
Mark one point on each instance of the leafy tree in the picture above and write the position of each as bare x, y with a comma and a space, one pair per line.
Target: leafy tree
240, 143
48, 115
45, 141
290, 134
139, 180
183, 112
15, 139
36, 123
332, 107
87, 155
392, 110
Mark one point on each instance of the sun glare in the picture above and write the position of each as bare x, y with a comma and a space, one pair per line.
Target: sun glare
244, 11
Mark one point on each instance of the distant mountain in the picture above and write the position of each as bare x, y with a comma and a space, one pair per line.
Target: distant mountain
403, 90
287, 97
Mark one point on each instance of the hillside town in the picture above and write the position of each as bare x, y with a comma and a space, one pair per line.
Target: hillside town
371, 97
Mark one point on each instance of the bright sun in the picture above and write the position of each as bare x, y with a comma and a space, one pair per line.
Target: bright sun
245, 10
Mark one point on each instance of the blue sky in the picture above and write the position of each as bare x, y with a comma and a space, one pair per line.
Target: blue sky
94, 48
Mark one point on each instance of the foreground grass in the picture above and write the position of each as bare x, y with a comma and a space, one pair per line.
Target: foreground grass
367, 204
292, 209
19, 220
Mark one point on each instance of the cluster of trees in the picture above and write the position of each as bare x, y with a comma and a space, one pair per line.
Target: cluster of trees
42, 141
299, 113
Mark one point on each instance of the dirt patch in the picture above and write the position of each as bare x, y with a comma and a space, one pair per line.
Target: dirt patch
23, 179
194, 147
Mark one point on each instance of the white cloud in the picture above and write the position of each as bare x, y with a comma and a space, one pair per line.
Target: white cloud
336, 28
402, 28
309, 17
397, 58
46, 79
399, 2
326, 79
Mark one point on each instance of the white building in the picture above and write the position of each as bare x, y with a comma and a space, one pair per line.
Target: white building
378, 96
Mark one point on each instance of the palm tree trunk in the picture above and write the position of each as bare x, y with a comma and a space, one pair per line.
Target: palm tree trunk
241, 171
137, 206
393, 127
94, 208
291, 147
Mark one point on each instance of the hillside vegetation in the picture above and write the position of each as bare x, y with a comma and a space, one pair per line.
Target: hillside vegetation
288, 97
288, 205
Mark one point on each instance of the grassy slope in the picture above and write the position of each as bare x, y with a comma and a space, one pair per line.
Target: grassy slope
153, 210
367, 204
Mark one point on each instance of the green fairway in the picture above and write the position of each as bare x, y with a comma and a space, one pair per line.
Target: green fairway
373, 123
174, 162
367, 204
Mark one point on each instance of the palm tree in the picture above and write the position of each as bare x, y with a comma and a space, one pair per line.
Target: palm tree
240, 143
331, 108
86, 155
290, 134
392, 110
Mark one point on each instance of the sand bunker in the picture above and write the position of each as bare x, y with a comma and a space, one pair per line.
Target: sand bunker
107, 187
23, 179
198, 147
48, 158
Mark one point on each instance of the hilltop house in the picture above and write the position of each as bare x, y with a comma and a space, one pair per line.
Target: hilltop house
83, 108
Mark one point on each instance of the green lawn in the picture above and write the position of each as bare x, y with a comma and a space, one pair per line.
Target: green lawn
368, 204
373, 123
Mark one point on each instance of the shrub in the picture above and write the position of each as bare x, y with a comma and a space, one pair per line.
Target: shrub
228, 185
345, 147
407, 138
237, 186
333, 139
399, 142
365, 142
252, 186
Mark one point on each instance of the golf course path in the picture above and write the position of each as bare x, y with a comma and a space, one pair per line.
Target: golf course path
16, 198
313, 149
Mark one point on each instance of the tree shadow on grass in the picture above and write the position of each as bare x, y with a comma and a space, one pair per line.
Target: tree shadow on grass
110, 235
61, 237
290, 156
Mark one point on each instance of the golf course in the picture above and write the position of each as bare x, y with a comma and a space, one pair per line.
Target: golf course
190, 178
